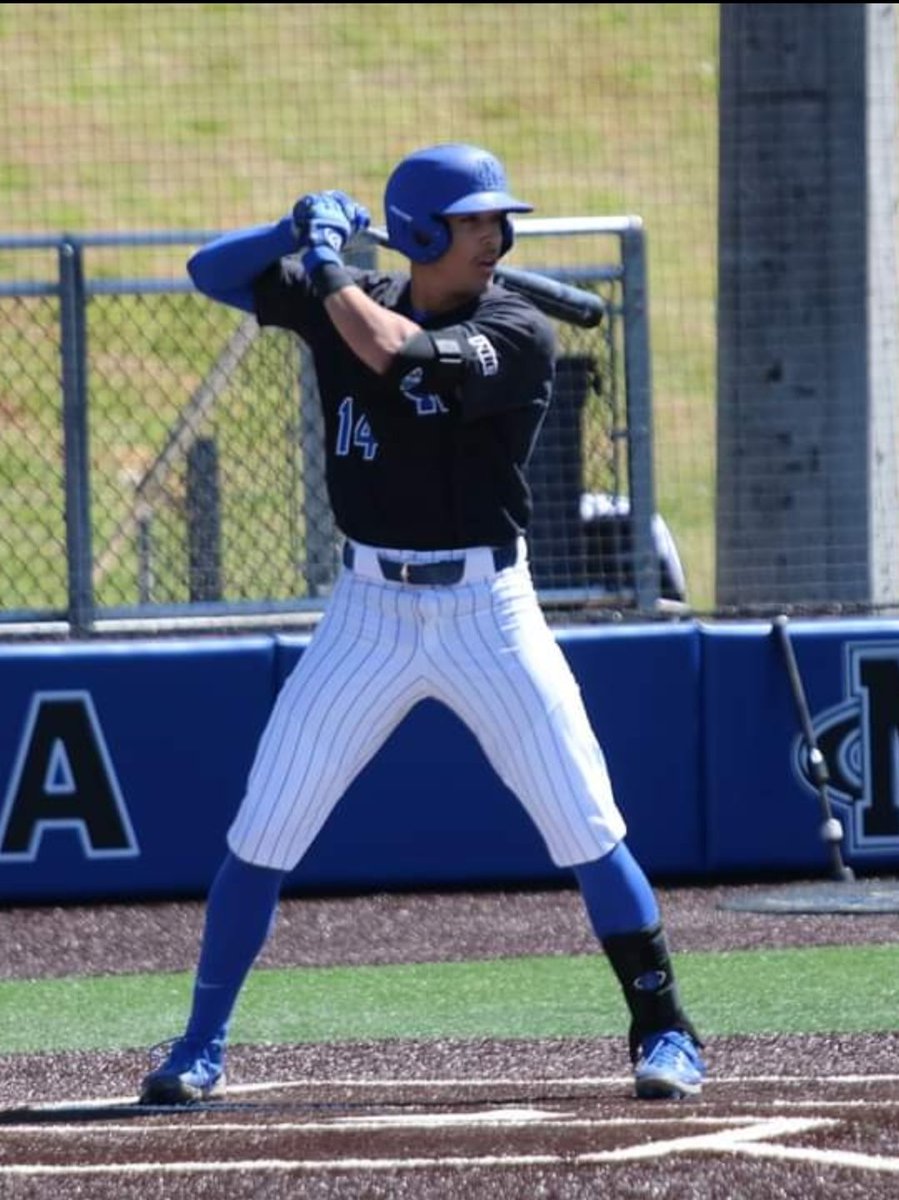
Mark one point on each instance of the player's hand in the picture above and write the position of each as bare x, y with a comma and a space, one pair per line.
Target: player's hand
324, 222
357, 214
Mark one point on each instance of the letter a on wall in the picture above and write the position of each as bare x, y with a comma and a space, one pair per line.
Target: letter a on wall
63, 778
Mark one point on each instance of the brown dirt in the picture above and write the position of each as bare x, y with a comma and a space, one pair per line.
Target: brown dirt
399, 927
584, 1083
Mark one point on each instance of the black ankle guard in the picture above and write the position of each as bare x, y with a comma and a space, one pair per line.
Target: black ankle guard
643, 967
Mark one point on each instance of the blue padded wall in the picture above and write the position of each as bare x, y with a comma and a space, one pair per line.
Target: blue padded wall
762, 811
121, 764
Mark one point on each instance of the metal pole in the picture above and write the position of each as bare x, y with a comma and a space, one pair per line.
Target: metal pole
638, 390
73, 329
204, 522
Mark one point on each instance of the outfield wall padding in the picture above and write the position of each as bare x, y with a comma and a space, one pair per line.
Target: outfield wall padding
122, 763
762, 809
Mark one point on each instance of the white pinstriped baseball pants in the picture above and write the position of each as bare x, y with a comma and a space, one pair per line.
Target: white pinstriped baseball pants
483, 648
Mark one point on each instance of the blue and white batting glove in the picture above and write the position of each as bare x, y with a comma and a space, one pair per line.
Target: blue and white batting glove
324, 222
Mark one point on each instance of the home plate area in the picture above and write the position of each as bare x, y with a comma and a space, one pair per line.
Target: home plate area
747, 1136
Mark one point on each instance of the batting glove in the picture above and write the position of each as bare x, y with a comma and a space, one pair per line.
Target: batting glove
324, 222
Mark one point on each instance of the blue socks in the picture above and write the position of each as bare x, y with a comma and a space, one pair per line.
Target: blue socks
617, 894
243, 900
240, 913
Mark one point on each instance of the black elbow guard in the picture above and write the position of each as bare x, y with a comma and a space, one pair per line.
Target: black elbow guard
439, 357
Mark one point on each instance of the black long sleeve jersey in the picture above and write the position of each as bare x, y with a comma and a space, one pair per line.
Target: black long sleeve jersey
410, 467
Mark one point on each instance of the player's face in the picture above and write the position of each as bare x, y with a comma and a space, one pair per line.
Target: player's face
476, 242
465, 269
474, 251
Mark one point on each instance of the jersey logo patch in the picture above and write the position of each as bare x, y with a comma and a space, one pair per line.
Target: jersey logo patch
426, 403
488, 359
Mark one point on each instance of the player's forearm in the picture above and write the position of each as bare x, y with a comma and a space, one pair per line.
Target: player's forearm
226, 267
374, 334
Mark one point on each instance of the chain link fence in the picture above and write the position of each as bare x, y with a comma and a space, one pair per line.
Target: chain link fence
162, 455
757, 143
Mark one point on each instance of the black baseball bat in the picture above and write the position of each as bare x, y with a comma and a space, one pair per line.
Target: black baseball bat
558, 300
831, 829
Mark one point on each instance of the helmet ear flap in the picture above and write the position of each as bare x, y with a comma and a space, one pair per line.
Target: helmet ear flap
421, 237
508, 236
432, 239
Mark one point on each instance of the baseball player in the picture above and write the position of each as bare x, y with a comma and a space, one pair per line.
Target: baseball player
433, 385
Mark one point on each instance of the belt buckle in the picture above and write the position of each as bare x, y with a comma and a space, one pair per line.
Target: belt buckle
404, 572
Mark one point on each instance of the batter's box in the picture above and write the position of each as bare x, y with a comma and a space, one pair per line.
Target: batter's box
231, 1137
377, 1126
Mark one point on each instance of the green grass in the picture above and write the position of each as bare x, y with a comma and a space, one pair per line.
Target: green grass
832, 989
133, 117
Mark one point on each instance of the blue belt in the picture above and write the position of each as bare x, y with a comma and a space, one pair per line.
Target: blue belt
435, 574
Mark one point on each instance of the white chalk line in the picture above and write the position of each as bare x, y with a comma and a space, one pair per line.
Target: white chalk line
533, 1086
730, 1140
748, 1134
813, 1104
509, 1118
823, 1158
359, 1084
506, 1118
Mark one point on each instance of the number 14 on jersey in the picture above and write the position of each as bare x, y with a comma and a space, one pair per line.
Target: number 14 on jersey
353, 431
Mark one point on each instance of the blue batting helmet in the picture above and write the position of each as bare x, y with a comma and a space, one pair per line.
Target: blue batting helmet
441, 181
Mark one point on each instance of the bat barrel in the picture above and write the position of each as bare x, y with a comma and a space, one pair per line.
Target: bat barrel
559, 300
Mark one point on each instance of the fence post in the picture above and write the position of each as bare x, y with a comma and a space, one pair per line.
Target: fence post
204, 522
555, 473
638, 389
73, 346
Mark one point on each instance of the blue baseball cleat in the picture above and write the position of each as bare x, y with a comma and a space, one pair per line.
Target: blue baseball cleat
192, 1071
669, 1067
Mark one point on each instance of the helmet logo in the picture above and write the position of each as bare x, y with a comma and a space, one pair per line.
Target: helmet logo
398, 212
489, 175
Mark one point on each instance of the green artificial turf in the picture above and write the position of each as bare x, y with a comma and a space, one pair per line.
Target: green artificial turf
815, 990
